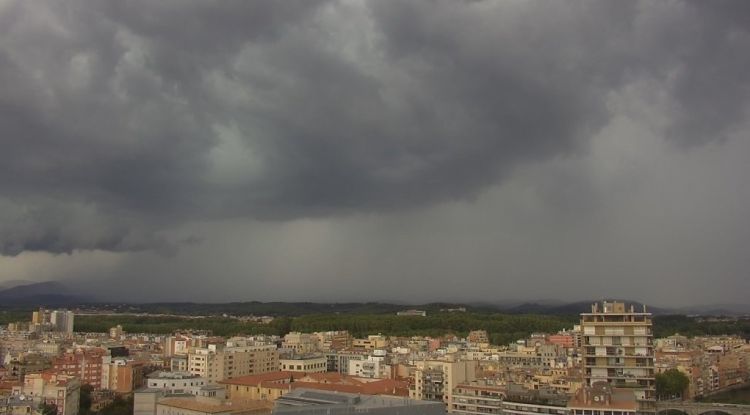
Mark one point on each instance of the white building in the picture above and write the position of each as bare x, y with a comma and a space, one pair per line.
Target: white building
307, 364
62, 321
374, 366
176, 382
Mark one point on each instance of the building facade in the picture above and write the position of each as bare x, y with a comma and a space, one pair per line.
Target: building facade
85, 364
217, 362
306, 364
60, 390
435, 380
618, 349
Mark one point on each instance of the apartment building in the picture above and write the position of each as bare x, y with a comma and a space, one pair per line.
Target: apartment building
300, 343
562, 339
372, 342
373, 366
178, 363
176, 382
61, 390
725, 342
218, 362
17, 366
52, 320
338, 361
435, 380
176, 345
162, 384
521, 360
478, 336
306, 364
62, 321
334, 340
618, 349
85, 364
267, 386
122, 375
475, 399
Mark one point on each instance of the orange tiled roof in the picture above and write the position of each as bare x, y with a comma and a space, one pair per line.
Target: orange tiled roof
9, 384
327, 387
387, 387
326, 377
274, 385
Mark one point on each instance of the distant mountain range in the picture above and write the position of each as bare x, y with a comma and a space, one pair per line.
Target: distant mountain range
49, 293
20, 293
4, 285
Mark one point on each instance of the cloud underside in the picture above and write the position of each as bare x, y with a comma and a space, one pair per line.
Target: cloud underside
121, 122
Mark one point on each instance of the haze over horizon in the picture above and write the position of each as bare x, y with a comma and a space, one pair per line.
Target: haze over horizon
356, 150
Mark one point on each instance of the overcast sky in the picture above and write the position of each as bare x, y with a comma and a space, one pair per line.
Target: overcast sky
377, 150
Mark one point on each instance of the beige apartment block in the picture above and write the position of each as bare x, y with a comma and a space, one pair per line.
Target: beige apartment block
51, 388
618, 349
435, 380
188, 406
217, 362
300, 343
372, 342
265, 387
307, 364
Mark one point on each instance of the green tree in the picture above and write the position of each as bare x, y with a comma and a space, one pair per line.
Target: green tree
119, 406
85, 399
671, 383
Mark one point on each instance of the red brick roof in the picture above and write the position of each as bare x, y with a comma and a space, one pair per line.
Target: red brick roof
9, 384
323, 381
327, 377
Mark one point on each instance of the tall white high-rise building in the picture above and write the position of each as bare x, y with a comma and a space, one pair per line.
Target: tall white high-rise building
62, 320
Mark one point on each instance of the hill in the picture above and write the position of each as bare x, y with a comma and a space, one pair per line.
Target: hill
49, 293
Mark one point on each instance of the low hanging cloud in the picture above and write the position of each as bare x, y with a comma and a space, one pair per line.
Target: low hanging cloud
122, 121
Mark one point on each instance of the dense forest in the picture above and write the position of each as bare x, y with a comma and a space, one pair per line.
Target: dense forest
695, 326
288, 309
502, 328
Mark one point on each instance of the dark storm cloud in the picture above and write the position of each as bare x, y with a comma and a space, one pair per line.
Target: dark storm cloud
122, 120
708, 79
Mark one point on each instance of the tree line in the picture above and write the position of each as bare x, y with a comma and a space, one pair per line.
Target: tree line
502, 328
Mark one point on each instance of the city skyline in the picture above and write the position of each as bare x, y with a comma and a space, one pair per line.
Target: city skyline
377, 150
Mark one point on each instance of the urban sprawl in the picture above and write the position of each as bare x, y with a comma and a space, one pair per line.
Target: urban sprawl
609, 364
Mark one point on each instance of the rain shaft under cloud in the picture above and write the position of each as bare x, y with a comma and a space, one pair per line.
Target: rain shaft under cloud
142, 128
